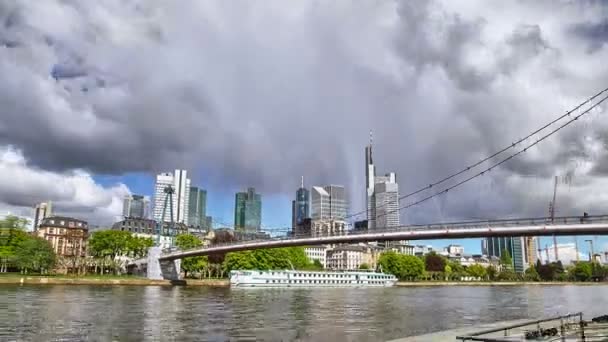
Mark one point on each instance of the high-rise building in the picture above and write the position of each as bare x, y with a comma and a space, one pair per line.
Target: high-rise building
516, 247
181, 196
300, 207
197, 208
370, 176
386, 193
42, 211
136, 206
319, 203
248, 211
382, 193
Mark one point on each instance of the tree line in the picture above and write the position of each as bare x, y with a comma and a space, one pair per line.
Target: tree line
437, 267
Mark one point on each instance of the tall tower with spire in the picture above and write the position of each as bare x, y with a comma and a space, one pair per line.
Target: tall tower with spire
370, 179
300, 207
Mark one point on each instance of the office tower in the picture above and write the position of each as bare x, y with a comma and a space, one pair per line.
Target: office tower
42, 211
530, 245
516, 248
370, 176
136, 206
319, 209
209, 222
248, 211
181, 196
302, 204
197, 208
386, 194
338, 205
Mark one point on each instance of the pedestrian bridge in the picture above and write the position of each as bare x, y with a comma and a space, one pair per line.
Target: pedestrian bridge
572, 225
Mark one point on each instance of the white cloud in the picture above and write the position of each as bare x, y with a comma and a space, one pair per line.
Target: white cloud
72, 192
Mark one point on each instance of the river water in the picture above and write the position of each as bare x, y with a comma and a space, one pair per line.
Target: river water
149, 313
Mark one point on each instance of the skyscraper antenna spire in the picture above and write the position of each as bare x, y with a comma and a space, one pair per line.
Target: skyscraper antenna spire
302, 185
371, 138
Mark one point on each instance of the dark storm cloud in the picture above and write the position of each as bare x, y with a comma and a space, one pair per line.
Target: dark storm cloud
261, 94
595, 33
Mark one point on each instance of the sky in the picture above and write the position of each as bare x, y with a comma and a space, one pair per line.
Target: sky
96, 99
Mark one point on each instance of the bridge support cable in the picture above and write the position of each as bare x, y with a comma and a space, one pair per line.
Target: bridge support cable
495, 154
497, 164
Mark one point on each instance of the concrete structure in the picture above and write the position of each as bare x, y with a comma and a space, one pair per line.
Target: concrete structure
181, 198
136, 206
401, 248
454, 250
422, 250
42, 211
248, 211
67, 235
317, 253
530, 248
319, 209
197, 208
348, 257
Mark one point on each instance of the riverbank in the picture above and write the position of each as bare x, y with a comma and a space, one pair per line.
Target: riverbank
495, 283
107, 280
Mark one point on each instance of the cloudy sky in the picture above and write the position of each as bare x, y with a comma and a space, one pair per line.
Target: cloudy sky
97, 97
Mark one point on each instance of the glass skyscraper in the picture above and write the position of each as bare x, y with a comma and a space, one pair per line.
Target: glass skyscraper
136, 206
197, 211
248, 211
514, 245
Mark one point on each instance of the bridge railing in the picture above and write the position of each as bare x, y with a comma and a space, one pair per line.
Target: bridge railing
462, 225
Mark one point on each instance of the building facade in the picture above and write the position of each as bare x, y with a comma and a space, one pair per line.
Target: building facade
181, 196
327, 228
197, 208
515, 246
454, 250
42, 211
248, 211
386, 196
67, 235
317, 253
136, 206
349, 257
328, 203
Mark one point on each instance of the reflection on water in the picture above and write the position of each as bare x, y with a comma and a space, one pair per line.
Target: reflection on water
149, 313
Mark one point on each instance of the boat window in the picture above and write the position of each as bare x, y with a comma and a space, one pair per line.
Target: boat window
267, 281
260, 273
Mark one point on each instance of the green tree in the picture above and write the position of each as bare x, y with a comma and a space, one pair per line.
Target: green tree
531, 274
477, 271
364, 266
14, 222
267, 259
492, 272
505, 259
434, 262
35, 254
583, 271
10, 238
107, 245
402, 266
191, 264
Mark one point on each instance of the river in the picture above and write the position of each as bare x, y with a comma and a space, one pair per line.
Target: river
150, 313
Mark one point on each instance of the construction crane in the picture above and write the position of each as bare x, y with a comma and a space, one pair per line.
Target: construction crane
169, 191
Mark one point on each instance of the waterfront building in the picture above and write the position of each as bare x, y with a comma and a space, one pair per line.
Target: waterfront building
248, 211
136, 206
402, 248
181, 196
42, 211
422, 250
197, 208
317, 253
300, 207
68, 236
349, 257
454, 250
530, 248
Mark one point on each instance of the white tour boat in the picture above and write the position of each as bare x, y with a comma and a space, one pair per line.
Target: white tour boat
293, 278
